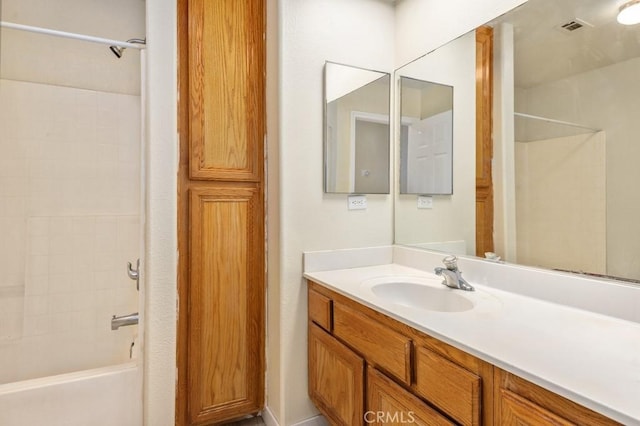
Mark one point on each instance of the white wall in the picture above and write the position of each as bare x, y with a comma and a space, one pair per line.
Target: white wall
423, 25
561, 202
355, 32
64, 62
160, 270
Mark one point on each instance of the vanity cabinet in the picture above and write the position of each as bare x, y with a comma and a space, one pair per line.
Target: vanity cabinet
336, 378
390, 403
410, 377
522, 402
367, 367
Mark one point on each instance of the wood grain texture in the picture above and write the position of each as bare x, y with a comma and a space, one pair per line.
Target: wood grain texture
336, 379
225, 354
484, 141
517, 411
383, 347
320, 310
520, 390
460, 358
396, 405
448, 386
226, 89
450, 371
221, 335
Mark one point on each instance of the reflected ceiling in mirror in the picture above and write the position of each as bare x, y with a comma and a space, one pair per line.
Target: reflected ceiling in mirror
356, 139
426, 137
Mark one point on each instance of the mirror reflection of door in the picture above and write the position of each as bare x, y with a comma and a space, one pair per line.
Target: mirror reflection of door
356, 146
426, 160
429, 154
371, 161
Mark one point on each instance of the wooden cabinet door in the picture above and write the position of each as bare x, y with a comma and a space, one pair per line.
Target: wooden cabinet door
221, 282
225, 348
518, 411
226, 69
390, 404
453, 389
336, 379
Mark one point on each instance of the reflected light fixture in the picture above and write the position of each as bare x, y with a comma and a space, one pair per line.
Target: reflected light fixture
629, 13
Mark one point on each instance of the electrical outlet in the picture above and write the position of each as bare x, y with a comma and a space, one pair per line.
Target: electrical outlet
425, 202
357, 202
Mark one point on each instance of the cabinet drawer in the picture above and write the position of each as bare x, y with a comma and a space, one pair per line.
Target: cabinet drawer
320, 309
453, 389
389, 403
383, 347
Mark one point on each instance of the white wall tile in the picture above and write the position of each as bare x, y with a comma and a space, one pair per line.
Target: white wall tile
69, 206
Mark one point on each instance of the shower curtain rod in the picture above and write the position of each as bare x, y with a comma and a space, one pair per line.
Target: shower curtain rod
551, 120
75, 36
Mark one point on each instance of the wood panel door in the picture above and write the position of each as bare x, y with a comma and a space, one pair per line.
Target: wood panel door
484, 141
517, 411
336, 379
226, 67
390, 404
225, 350
221, 238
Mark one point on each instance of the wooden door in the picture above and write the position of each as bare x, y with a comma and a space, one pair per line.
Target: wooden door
484, 141
336, 379
390, 404
221, 282
517, 411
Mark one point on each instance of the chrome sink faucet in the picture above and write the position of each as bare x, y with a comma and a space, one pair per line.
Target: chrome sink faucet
452, 275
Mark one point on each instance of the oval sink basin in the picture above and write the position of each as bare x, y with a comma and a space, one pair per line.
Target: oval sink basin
422, 296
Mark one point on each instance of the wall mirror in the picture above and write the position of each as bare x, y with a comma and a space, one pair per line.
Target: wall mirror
357, 135
449, 223
426, 137
566, 102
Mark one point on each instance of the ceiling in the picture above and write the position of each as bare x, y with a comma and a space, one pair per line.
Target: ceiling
545, 52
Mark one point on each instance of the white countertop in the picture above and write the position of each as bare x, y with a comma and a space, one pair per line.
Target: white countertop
589, 358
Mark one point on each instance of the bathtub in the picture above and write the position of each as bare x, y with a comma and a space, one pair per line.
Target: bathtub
109, 396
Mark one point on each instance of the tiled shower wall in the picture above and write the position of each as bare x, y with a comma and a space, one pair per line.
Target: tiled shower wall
69, 222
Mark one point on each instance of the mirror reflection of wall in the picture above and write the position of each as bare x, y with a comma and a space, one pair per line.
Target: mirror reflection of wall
426, 137
357, 132
449, 224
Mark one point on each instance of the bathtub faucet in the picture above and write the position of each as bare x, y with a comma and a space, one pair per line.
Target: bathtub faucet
117, 322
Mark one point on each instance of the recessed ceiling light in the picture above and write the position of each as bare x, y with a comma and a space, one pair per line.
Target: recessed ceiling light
629, 13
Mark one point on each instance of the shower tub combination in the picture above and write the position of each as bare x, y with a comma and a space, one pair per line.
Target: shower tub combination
72, 218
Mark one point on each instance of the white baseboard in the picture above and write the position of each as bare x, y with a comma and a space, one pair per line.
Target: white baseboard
270, 420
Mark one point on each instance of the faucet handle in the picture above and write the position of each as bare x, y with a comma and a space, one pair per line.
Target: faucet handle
451, 262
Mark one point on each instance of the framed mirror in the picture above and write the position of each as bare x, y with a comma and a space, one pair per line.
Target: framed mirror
357, 135
566, 102
426, 137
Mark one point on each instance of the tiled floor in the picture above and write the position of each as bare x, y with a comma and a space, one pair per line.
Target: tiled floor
253, 421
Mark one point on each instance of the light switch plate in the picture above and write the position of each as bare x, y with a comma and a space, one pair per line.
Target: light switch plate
357, 202
425, 202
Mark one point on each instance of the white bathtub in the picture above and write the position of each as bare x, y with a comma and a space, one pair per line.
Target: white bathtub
109, 396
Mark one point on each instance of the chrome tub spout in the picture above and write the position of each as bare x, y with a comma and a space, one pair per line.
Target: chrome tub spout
124, 320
